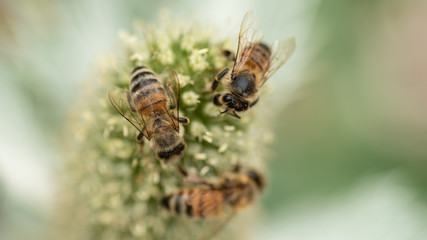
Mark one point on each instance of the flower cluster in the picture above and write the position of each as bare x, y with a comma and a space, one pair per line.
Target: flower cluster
112, 184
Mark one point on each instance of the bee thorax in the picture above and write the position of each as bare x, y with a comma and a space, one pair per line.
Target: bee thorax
243, 85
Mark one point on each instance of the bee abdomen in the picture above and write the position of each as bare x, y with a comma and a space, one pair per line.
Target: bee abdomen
178, 203
144, 80
141, 77
147, 91
259, 55
195, 203
265, 47
176, 151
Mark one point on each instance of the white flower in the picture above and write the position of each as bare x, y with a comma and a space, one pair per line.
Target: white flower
163, 40
166, 57
198, 60
140, 58
197, 128
188, 41
128, 39
184, 80
190, 98
211, 110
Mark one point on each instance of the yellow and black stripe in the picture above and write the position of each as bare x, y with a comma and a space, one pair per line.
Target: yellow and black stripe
147, 92
168, 154
196, 203
258, 56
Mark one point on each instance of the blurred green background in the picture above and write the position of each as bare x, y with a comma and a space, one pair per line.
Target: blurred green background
350, 157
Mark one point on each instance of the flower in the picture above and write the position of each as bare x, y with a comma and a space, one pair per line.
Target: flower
112, 182
184, 80
190, 98
197, 59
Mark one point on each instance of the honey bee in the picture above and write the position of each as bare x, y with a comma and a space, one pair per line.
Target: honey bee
236, 190
154, 115
254, 64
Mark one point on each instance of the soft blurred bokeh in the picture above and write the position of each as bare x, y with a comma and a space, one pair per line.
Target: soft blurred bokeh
350, 156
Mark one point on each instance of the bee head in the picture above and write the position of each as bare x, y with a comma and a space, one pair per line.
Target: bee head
234, 103
257, 178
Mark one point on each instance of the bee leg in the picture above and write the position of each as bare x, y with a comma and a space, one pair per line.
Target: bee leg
130, 102
140, 140
254, 102
218, 78
229, 55
235, 114
184, 120
181, 171
216, 99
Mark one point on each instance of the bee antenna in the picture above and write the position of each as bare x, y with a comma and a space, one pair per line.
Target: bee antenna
224, 111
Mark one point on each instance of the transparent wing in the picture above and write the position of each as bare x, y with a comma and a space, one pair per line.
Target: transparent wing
218, 228
118, 98
174, 93
281, 51
250, 34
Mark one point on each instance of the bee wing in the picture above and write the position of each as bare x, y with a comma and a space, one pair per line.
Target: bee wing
250, 34
174, 93
281, 51
120, 101
218, 228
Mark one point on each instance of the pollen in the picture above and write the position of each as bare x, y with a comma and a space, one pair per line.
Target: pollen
207, 138
223, 148
200, 156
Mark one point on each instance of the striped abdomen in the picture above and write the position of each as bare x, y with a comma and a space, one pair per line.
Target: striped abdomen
257, 60
171, 154
147, 92
195, 203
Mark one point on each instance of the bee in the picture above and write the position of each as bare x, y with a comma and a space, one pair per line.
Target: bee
154, 111
254, 64
236, 190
